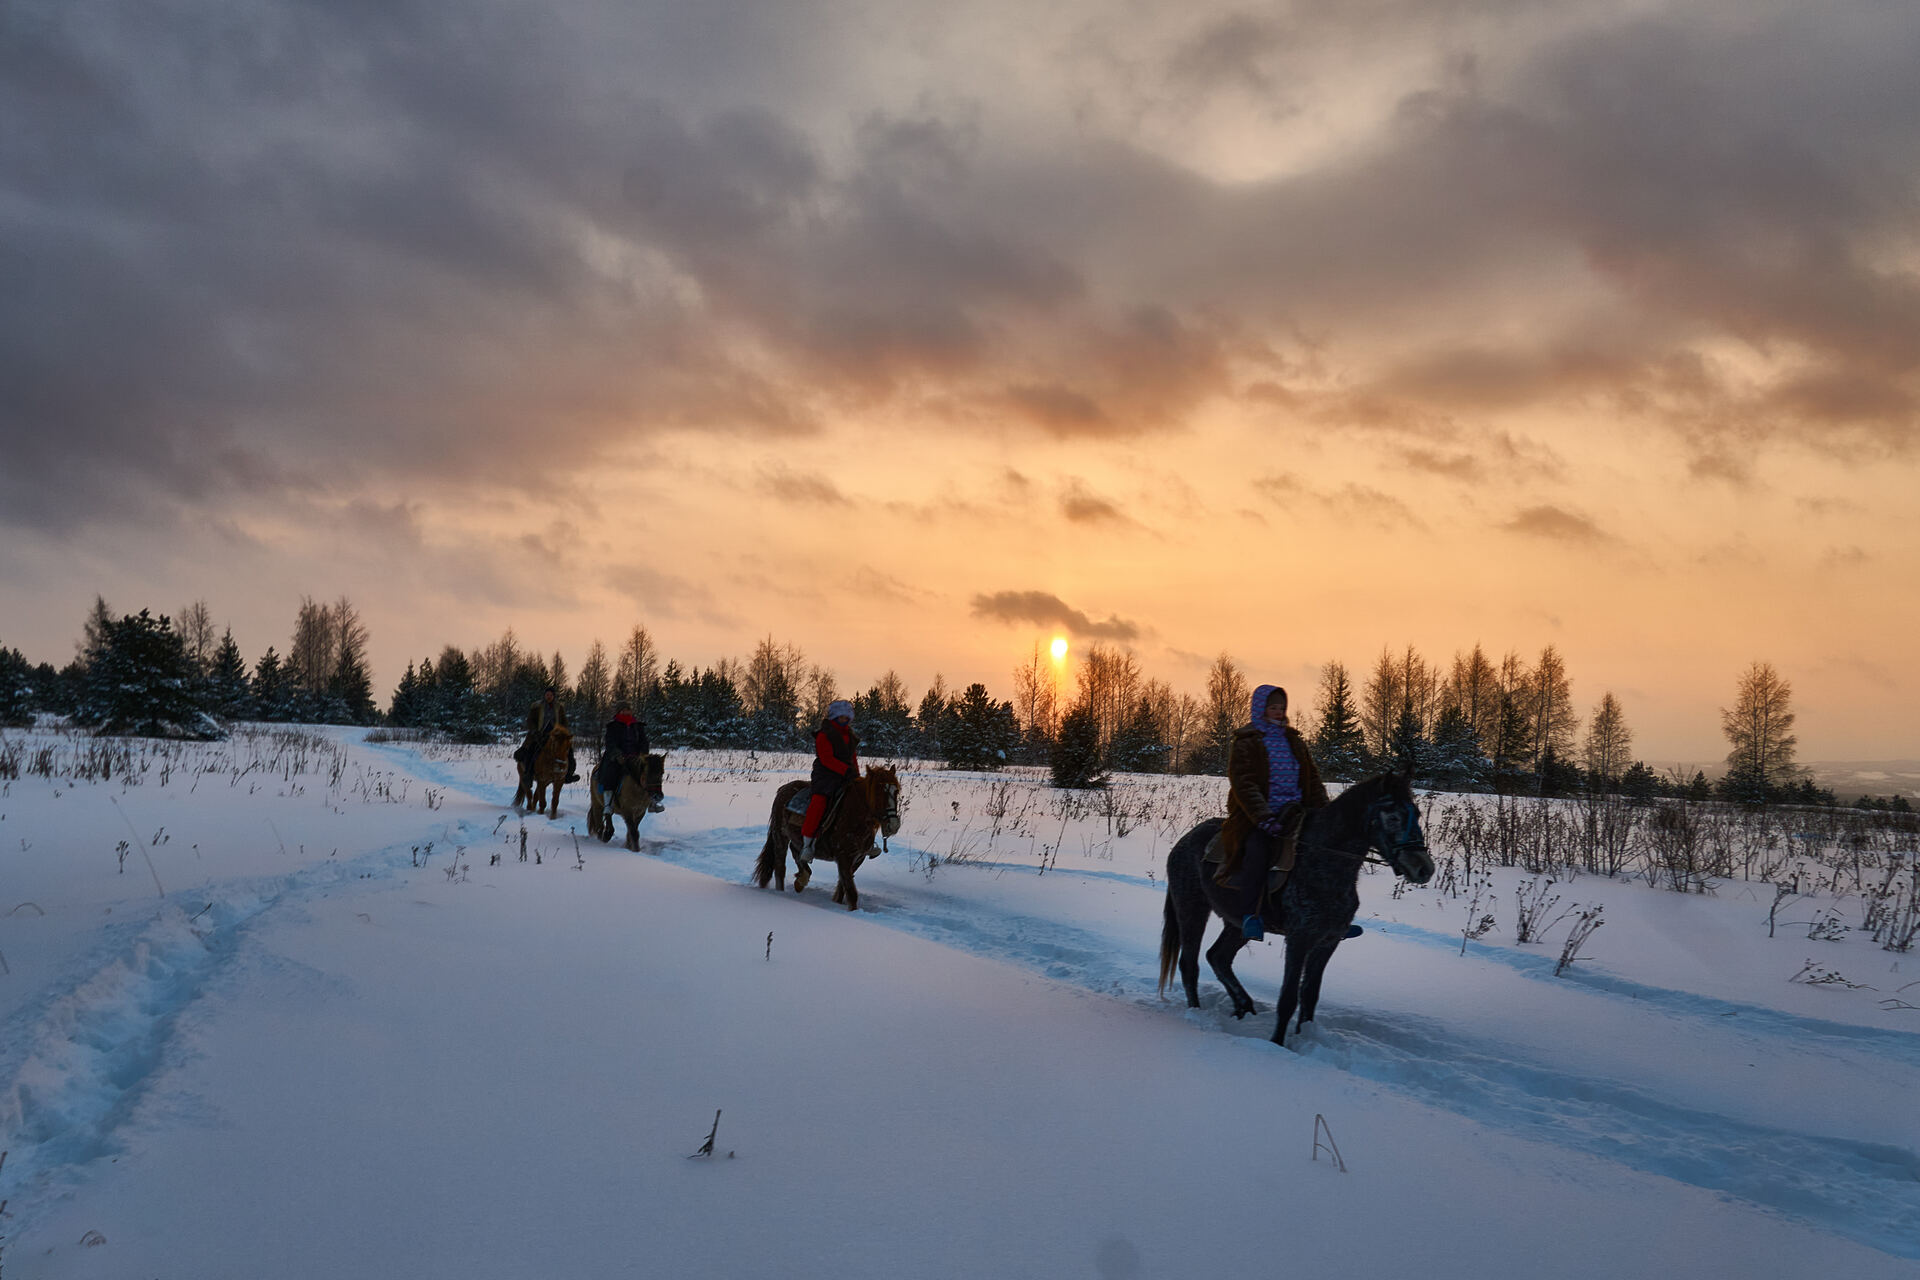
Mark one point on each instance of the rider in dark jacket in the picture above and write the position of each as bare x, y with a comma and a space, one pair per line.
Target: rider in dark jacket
542, 716
836, 758
626, 747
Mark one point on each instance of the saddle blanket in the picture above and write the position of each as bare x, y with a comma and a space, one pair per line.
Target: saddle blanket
798, 805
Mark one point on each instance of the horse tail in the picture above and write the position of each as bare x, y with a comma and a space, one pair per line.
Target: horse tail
1169, 943
773, 854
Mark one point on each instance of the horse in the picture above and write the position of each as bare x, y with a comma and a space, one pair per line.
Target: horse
547, 768
1316, 906
633, 799
868, 806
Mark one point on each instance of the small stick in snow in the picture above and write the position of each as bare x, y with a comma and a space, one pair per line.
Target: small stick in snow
1320, 1126
706, 1148
769, 956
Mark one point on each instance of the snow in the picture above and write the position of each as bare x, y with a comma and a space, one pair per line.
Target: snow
301, 1043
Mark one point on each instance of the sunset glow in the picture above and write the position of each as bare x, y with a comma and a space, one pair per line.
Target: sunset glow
909, 335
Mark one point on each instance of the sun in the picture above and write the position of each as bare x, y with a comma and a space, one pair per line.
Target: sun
1059, 648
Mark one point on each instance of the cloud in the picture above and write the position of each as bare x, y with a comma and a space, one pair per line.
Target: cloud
1557, 524
1045, 610
287, 245
801, 488
1348, 502
1082, 505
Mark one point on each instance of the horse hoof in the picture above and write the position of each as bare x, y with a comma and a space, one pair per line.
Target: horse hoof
800, 879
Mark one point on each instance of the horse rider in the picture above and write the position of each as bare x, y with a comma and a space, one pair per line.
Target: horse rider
836, 760
1271, 784
626, 748
542, 717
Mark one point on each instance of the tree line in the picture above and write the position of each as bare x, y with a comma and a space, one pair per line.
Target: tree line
1472, 724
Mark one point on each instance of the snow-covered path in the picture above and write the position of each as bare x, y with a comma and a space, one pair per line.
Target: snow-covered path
267, 1037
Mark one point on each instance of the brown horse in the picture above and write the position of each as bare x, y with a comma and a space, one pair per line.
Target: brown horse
633, 799
869, 806
548, 768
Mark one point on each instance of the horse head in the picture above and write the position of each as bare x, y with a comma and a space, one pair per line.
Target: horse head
883, 795
1393, 828
654, 772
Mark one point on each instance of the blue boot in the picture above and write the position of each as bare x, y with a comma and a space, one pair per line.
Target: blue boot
1354, 931
1253, 929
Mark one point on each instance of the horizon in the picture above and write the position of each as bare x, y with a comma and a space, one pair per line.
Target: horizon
916, 336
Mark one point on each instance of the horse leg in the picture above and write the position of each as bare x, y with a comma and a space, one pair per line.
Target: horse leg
1220, 955
850, 892
633, 832
802, 871
553, 809
1316, 969
1192, 926
1289, 989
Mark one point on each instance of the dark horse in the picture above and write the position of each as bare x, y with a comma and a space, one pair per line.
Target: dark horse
633, 798
1314, 909
869, 806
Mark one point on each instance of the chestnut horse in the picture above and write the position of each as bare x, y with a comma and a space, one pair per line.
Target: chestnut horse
549, 768
869, 806
633, 799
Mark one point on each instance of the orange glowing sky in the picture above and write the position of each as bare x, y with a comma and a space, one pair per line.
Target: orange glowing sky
915, 335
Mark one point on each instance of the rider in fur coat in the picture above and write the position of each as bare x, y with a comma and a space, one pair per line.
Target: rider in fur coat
1271, 783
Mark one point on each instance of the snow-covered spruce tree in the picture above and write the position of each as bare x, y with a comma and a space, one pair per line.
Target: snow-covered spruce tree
1458, 762
1339, 744
16, 688
141, 682
1076, 752
1136, 745
272, 697
228, 694
969, 742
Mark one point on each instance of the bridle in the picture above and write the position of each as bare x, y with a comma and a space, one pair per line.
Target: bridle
1392, 829
891, 792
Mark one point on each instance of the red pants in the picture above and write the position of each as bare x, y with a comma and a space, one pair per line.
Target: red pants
816, 808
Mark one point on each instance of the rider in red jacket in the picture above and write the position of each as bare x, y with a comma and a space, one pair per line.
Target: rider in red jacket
836, 759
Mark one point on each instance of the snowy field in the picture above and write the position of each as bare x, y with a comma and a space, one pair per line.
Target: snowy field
295, 1005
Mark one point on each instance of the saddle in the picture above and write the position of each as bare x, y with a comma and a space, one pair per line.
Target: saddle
797, 806
1293, 817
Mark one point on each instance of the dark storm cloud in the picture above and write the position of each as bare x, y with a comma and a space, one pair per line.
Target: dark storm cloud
253, 247
1046, 610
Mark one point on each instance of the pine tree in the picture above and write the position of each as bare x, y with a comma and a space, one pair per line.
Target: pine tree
272, 696
1458, 762
1076, 752
228, 695
351, 688
404, 708
1136, 746
971, 743
1339, 745
1639, 784
1408, 747
16, 688
141, 682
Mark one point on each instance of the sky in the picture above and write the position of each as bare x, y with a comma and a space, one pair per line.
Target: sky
916, 334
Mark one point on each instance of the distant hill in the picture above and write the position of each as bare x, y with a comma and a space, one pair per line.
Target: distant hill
1851, 779
1847, 779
